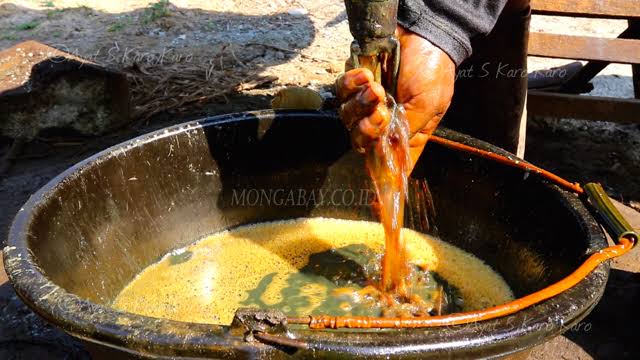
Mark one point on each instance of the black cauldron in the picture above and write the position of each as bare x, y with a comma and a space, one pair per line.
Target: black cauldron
81, 238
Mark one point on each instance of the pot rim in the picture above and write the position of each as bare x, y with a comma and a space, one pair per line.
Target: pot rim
146, 335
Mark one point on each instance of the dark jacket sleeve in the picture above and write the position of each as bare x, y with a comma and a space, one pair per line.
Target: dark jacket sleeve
450, 24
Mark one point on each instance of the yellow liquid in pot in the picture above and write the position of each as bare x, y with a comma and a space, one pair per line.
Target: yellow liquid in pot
209, 280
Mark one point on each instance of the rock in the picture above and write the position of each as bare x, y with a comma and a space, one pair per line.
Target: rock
334, 68
8, 9
167, 23
297, 98
297, 12
54, 90
3, 275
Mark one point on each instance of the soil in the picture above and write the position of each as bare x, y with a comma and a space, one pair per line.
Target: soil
298, 42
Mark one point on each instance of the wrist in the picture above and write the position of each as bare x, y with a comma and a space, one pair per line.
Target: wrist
402, 31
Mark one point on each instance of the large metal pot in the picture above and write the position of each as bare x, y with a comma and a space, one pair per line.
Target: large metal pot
88, 232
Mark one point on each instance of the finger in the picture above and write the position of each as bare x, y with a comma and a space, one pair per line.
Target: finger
370, 128
381, 116
363, 104
348, 65
351, 82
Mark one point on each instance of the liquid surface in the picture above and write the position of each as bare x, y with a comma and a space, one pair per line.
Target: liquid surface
302, 267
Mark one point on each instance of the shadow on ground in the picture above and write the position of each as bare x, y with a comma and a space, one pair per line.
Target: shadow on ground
589, 151
171, 34
119, 40
26, 336
605, 333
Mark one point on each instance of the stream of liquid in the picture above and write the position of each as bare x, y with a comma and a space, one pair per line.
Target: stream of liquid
388, 163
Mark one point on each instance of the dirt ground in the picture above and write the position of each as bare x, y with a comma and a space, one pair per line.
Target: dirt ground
292, 42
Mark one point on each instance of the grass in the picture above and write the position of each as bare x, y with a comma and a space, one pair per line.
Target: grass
9, 37
120, 24
209, 26
48, 4
85, 8
54, 13
30, 25
116, 27
157, 10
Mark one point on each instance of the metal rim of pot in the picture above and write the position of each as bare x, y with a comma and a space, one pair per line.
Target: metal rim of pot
140, 334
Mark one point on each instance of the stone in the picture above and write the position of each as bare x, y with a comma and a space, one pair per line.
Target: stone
298, 12
45, 89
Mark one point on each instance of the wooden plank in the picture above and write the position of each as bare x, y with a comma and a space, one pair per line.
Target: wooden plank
635, 70
622, 51
611, 9
634, 28
579, 82
622, 111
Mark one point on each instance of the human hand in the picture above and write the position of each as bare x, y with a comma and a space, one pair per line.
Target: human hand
425, 87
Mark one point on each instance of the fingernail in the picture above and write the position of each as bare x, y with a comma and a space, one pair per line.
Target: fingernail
361, 78
380, 117
369, 96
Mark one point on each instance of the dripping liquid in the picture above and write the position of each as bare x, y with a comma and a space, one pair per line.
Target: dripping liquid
388, 164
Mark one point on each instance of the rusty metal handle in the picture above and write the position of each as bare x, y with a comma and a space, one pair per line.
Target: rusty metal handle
607, 214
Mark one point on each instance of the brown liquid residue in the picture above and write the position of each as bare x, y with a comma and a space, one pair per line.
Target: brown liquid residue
388, 163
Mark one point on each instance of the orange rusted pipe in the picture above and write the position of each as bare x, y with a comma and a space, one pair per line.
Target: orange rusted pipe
506, 161
335, 322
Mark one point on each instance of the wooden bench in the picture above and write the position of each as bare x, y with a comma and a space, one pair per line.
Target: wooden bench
564, 101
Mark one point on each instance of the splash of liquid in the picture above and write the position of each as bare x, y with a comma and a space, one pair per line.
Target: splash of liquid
388, 163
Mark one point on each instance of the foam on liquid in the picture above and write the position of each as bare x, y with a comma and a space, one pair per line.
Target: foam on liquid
207, 281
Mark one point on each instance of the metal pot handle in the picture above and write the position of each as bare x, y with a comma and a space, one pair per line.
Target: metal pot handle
608, 215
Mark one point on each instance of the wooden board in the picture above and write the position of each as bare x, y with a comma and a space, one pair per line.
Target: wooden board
622, 111
622, 51
634, 28
612, 9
